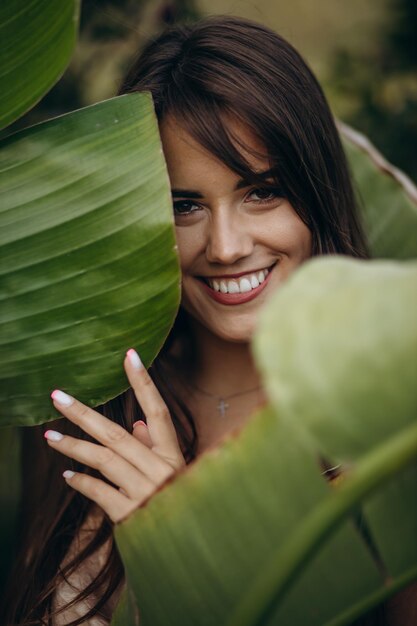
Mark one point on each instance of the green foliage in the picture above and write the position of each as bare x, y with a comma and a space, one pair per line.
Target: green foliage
252, 533
323, 334
126, 612
377, 92
111, 34
89, 267
388, 202
37, 41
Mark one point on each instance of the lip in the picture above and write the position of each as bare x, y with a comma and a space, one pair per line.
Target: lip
236, 298
236, 275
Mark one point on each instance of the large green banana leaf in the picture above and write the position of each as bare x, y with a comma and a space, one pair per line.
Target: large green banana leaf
388, 198
37, 38
350, 381
88, 260
252, 533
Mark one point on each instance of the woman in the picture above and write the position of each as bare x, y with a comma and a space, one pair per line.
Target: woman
260, 184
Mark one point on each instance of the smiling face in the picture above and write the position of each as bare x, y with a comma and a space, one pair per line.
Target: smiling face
237, 242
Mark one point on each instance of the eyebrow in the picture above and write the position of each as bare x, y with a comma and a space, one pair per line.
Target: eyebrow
196, 195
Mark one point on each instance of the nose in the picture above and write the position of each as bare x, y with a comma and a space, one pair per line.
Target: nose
229, 238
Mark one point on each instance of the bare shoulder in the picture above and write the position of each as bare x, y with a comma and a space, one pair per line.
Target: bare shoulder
70, 586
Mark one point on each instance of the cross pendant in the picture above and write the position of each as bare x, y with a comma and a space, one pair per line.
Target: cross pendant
222, 407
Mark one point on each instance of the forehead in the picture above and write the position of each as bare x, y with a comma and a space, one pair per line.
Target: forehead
183, 153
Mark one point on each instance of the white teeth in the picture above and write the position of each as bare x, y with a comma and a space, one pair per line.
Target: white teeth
245, 285
241, 285
232, 286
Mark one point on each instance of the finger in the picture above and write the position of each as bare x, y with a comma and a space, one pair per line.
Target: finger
115, 504
161, 428
141, 433
112, 436
114, 467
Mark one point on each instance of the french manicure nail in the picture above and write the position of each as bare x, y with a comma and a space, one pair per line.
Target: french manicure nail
68, 474
139, 422
134, 359
53, 435
62, 398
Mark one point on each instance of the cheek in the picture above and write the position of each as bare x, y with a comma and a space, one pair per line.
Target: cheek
185, 249
299, 235
289, 236
190, 243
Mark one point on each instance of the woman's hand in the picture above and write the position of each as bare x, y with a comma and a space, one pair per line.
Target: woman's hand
138, 464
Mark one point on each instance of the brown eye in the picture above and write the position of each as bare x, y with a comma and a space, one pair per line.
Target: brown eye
264, 194
184, 207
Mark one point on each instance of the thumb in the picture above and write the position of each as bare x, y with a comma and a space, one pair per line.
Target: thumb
141, 432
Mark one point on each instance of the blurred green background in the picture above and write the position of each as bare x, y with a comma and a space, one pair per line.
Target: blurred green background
364, 52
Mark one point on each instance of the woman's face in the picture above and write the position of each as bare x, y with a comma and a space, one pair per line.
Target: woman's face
237, 242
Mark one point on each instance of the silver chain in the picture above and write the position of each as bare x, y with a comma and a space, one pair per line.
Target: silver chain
223, 405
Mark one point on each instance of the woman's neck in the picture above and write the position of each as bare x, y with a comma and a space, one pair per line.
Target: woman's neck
223, 367
222, 388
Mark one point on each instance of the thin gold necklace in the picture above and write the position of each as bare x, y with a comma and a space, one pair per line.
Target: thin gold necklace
222, 405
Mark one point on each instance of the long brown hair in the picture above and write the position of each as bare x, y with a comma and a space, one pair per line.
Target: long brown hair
201, 74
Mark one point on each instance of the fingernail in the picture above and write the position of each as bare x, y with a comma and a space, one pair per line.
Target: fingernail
134, 359
53, 435
62, 398
68, 474
139, 422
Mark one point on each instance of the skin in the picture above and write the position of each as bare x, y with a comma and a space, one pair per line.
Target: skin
227, 230
137, 465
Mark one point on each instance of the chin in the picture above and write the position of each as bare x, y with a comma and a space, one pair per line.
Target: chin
235, 332
235, 329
